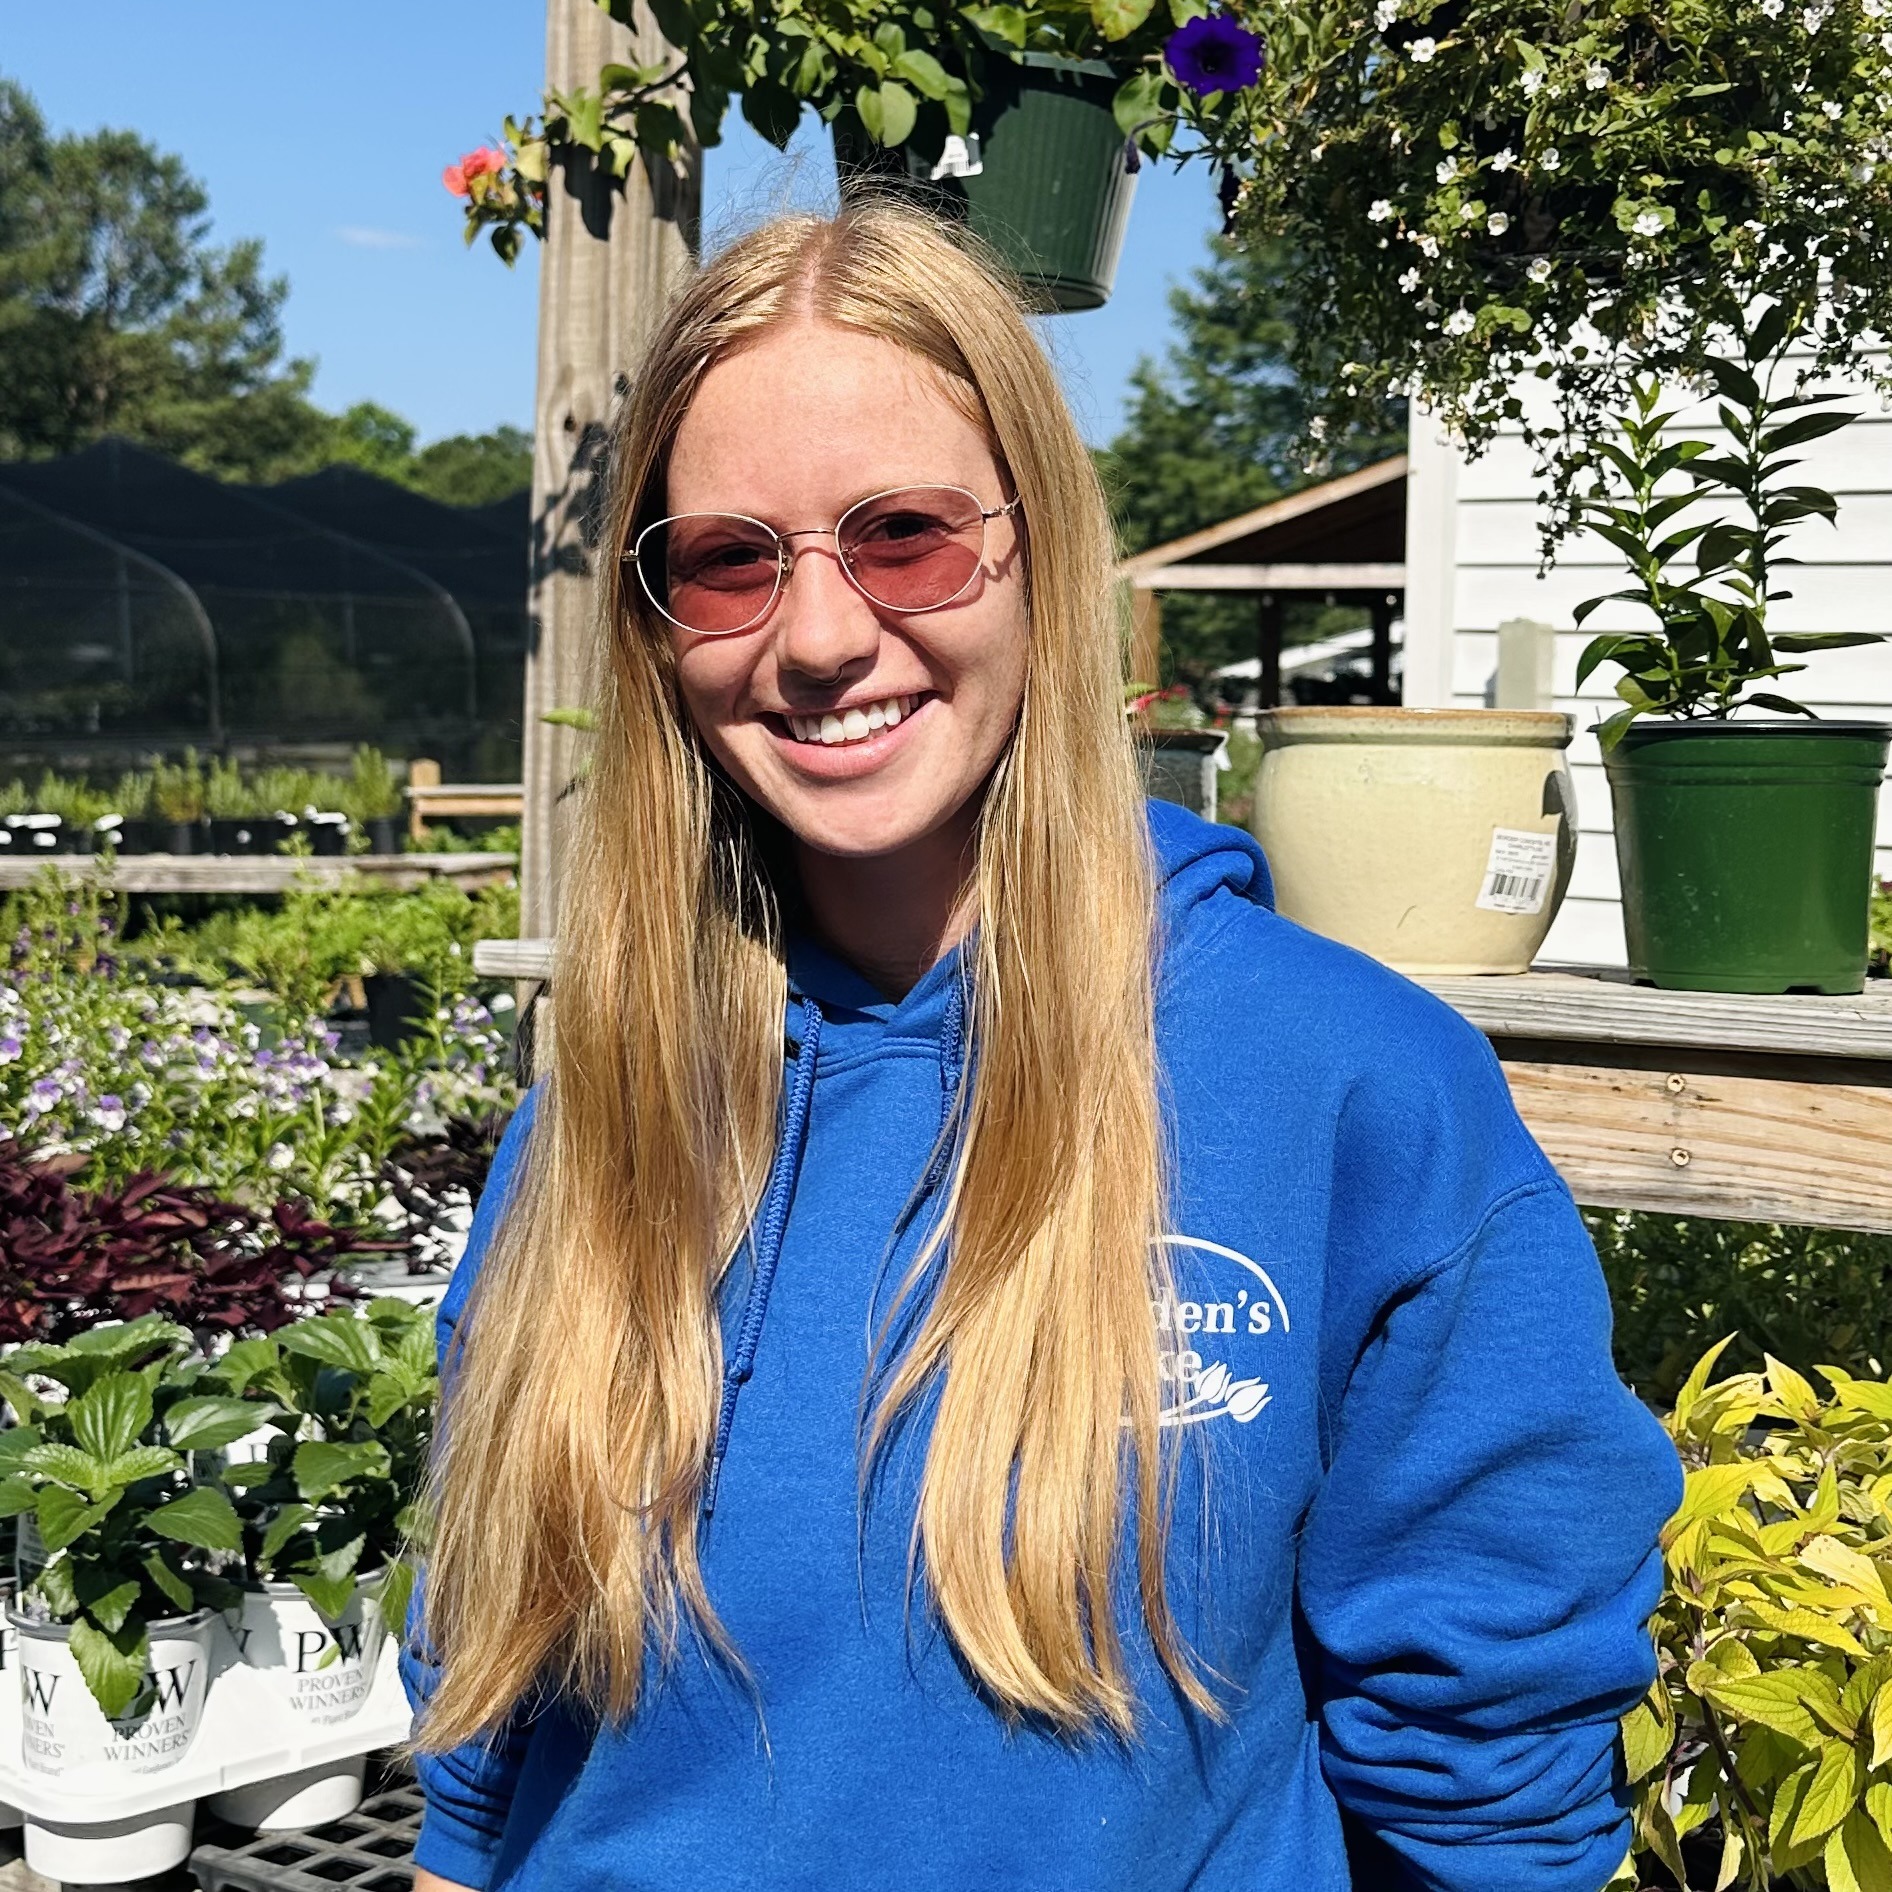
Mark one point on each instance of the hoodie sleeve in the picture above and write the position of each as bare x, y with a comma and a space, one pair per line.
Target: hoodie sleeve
468, 1790
1479, 1569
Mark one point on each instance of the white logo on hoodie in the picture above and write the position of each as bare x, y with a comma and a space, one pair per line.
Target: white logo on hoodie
1208, 1347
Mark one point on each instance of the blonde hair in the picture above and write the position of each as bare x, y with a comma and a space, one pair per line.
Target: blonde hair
585, 1397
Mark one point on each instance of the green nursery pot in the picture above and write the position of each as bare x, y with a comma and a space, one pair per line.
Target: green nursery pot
1051, 193
1745, 851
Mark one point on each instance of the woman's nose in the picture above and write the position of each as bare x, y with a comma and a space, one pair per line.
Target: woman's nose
823, 626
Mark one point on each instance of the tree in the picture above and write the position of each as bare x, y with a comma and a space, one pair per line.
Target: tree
474, 469
1212, 431
119, 316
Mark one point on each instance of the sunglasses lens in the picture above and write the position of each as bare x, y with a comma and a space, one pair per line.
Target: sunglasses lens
713, 572
914, 549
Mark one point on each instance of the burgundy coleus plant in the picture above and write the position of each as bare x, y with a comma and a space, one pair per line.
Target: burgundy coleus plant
71, 1257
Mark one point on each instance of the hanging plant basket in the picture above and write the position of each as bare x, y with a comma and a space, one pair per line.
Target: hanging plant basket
1040, 177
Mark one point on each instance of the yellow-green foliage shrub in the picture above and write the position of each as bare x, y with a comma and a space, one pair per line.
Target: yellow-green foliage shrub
1768, 1735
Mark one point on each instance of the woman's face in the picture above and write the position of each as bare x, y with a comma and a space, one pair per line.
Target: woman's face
793, 430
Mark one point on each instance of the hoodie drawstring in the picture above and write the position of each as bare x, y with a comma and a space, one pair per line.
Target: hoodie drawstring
768, 1245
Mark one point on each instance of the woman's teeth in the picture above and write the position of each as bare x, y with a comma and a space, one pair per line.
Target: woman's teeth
853, 725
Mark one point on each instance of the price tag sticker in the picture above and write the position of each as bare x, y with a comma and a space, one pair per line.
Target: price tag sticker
1518, 871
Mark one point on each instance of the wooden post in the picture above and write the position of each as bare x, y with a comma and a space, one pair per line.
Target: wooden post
1144, 658
1382, 608
1268, 629
422, 772
610, 262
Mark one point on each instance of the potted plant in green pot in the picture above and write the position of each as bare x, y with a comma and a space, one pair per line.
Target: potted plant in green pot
1744, 844
1026, 122
114, 1625
328, 1492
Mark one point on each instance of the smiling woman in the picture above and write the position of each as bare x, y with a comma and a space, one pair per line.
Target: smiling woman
943, 1156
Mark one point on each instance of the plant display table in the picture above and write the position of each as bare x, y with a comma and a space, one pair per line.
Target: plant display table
1687, 1103
265, 873
1699, 1103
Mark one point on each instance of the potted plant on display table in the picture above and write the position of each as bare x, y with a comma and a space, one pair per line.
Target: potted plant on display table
115, 1608
1025, 121
1745, 847
327, 1487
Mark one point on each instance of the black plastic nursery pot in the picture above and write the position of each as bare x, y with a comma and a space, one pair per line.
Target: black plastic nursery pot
1046, 183
397, 1008
36, 834
328, 834
386, 835
250, 834
1745, 851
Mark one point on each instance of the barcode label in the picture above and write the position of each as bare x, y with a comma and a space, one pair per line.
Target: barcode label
1518, 871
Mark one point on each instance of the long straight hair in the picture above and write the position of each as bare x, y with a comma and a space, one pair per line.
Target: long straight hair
584, 1399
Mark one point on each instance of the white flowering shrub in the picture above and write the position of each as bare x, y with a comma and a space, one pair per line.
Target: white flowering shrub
1482, 189
255, 1102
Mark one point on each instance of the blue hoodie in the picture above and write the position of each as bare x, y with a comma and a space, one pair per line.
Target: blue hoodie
1415, 1541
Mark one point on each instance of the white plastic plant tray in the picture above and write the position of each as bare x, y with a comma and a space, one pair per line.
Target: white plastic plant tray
249, 1733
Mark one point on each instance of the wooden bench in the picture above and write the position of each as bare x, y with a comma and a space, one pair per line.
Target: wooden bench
266, 873
431, 799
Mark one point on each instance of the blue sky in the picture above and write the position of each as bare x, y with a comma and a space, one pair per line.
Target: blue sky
323, 130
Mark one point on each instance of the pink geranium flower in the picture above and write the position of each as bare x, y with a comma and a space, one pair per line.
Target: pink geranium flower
487, 161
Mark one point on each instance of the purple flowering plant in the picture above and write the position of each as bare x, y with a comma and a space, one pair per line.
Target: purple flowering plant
229, 1089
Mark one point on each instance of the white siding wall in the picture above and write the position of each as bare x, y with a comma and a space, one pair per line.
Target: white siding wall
1472, 563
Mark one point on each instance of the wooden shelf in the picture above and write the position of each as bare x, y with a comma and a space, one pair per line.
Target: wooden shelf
1605, 1008
264, 873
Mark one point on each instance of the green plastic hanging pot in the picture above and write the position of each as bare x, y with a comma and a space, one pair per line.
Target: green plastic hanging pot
1044, 183
1746, 852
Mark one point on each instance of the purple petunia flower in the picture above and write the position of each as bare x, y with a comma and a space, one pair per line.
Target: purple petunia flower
1213, 53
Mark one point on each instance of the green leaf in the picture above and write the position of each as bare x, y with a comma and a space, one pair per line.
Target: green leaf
335, 1340
1776, 1698
168, 1583
1646, 1742
923, 72
68, 1465
1767, 334
899, 110
142, 1461
63, 1516
113, 1664
1826, 640
109, 1607
1118, 19
1825, 1796
206, 1422
286, 1523
397, 1592
1803, 428
203, 1517
54, 1587
1856, 1857
1008, 24
322, 1469
17, 1494
1697, 1382
109, 1416
330, 1586
27, 1404
247, 1362
867, 105
773, 110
